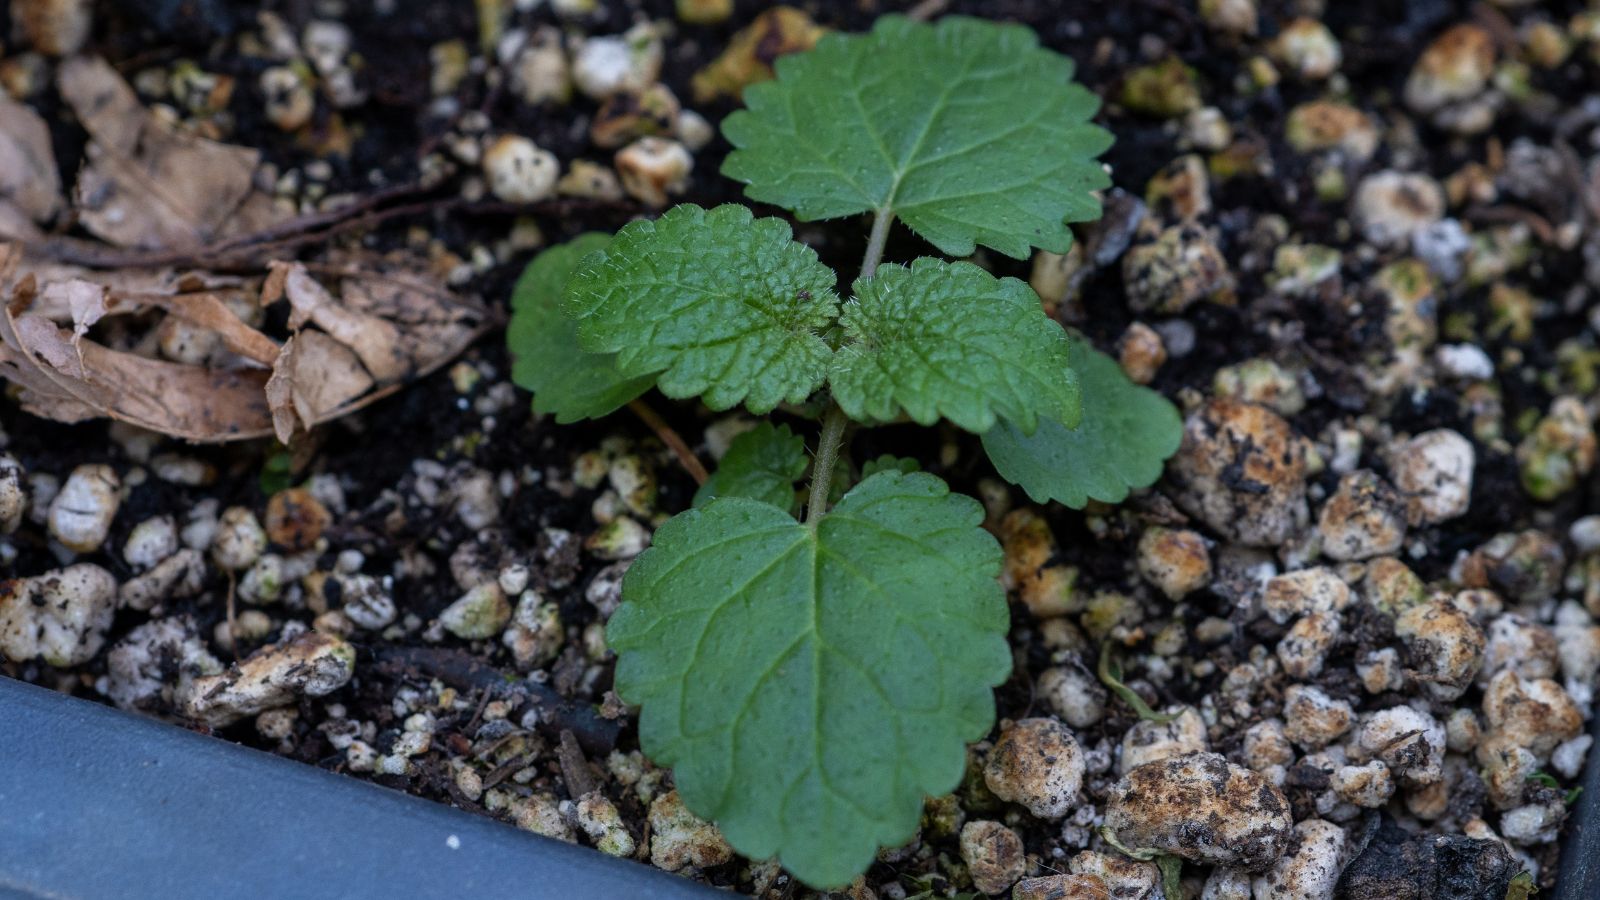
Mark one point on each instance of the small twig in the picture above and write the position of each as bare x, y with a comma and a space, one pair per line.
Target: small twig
1512, 215
233, 625
249, 251
507, 769
477, 714
926, 10
464, 672
674, 442
574, 768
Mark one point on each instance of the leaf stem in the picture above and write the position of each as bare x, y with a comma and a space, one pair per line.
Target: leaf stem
674, 442
834, 420
1110, 672
881, 220
833, 423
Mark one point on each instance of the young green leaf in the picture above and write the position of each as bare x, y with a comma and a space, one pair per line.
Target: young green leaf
967, 130
951, 340
761, 464
1109, 671
1126, 434
810, 686
888, 462
718, 303
566, 381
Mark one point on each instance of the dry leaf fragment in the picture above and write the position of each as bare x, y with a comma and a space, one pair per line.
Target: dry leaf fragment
145, 183
314, 377
190, 402
384, 328
376, 341
85, 302
28, 175
208, 311
433, 322
16, 226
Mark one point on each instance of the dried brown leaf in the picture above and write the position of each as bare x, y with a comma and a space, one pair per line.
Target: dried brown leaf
314, 379
84, 301
375, 340
190, 402
146, 184
15, 224
384, 328
28, 175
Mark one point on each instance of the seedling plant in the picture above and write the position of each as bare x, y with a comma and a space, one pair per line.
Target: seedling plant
812, 663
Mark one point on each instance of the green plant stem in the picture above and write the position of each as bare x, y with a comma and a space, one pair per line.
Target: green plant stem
1110, 673
881, 220
833, 424
834, 420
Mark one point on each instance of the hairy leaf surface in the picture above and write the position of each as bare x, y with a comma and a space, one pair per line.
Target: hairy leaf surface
719, 303
761, 464
811, 687
1126, 434
951, 340
968, 130
567, 381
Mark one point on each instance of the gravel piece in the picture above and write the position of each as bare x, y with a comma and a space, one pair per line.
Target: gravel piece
599, 819
1242, 470
1433, 473
1533, 713
60, 617
1304, 650
994, 856
1202, 808
1444, 647
1364, 518
678, 838
1391, 207
1310, 870
81, 512
1167, 271
139, 668
480, 613
239, 540
312, 665
1176, 561
1038, 764
1409, 741
1293, 594
1149, 741
1073, 694
1312, 719
1123, 877
13, 494
176, 577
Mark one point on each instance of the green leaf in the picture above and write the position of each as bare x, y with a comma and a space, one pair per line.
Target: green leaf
718, 303
951, 340
968, 130
811, 686
566, 381
1125, 436
888, 462
277, 471
1109, 671
761, 464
